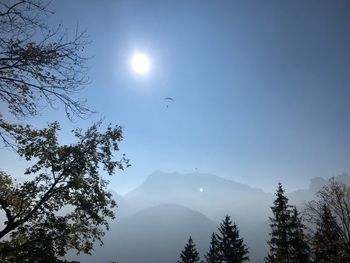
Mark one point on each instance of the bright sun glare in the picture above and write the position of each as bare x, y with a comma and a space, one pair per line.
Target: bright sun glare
140, 63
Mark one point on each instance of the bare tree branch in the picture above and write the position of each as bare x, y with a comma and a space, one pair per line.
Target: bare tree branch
39, 66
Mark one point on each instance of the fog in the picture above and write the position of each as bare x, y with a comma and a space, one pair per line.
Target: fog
155, 220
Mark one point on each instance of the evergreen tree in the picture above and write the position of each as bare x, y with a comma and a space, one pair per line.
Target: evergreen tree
189, 254
231, 248
300, 248
280, 245
336, 196
213, 255
327, 239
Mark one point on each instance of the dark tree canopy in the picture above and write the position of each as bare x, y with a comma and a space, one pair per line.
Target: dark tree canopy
288, 242
326, 241
41, 66
300, 247
335, 196
38, 65
189, 254
213, 255
231, 247
61, 176
279, 243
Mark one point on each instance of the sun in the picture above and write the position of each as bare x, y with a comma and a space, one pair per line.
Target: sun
140, 63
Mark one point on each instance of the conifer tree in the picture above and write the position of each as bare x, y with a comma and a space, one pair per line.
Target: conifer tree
213, 255
300, 248
327, 246
231, 247
280, 246
190, 253
336, 196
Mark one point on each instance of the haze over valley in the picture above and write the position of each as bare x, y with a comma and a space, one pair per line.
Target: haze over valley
157, 217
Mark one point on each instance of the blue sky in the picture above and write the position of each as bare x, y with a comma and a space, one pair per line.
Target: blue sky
261, 88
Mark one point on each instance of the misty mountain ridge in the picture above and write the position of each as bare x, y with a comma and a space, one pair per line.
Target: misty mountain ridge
166, 179
218, 197
156, 218
299, 197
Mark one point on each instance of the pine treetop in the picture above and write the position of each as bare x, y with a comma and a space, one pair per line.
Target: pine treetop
189, 254
213, 255
287, 243
231, 246
326, 240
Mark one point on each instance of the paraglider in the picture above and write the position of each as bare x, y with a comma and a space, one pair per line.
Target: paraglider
168, 99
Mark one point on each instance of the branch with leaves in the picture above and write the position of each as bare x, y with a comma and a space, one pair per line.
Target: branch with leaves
39, 66
61, 176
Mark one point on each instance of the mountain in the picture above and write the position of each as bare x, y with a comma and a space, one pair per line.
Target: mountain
155, 234
248, 207
217, 198
155, 220
299, 197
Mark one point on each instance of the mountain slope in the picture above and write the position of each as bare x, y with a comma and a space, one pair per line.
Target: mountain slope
155, 234
218, 198
155, 220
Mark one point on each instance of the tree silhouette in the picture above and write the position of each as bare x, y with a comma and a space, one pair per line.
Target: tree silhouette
189, 254
231, 247
300, 248
288, 242
63, 175
279, 244
41, 66
336, 196
213, 255
327, 245
38, 247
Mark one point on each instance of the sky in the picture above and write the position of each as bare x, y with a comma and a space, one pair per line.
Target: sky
261, 88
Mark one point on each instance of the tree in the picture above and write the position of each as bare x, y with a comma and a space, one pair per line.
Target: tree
40, 66
336, 197
300, 248
213, 255
288, 242
231, 247
279, 244
326, 241
38, 247
63, 176
189, 254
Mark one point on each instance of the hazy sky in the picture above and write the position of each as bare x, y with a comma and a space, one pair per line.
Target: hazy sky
261, 88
